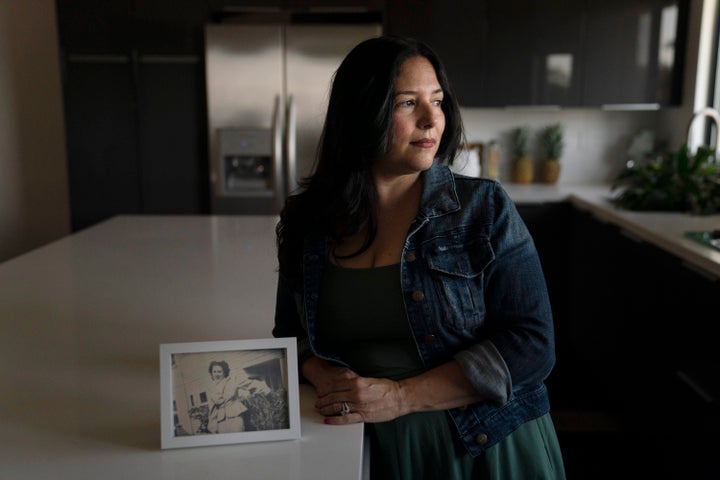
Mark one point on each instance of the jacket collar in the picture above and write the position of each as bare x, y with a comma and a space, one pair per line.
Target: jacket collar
439, 195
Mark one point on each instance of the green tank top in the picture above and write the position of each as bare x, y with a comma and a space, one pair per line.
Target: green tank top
362, 320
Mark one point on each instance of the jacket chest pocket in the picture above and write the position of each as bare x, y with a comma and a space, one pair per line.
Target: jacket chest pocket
457, 272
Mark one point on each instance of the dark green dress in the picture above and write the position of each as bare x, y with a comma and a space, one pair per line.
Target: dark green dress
362, 319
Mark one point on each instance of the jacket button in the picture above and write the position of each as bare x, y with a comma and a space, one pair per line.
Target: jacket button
418, 296
481, 439
428, 338
410, 257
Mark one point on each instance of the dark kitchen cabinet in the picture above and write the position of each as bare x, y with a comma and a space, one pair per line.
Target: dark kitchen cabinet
627, 314
103, 168
171, 136
122, 26
456, 30
92, 27
568, 53
134, 95
634, 51
550, 226
286, 6
170, 27
135, 137
534, 52
635, 344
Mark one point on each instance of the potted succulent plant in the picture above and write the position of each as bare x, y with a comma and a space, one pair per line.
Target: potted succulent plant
678, 181
551, 138
523, 167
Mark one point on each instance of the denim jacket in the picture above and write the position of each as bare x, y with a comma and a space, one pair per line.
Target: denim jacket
474, 291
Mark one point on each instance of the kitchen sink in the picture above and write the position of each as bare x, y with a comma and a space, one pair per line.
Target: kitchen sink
709, 238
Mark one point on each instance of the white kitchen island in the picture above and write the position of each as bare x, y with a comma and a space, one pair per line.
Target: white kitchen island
81, 321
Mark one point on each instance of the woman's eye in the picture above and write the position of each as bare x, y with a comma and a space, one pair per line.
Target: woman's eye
406, 103
438, 101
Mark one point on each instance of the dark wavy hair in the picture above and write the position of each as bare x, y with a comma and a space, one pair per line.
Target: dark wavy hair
339, 198
222, 364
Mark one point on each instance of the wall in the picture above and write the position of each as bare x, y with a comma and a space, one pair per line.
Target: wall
34, 203
596, 140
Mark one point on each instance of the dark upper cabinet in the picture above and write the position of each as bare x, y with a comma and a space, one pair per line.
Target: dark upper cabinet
135, 133
274, 6
89, 27
456, 30
134, 95
101, 141
634, 51
534, 52
170, 27
92, 27
568, 53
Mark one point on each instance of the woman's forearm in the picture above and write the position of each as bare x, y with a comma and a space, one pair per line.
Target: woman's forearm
382, 399
440, 388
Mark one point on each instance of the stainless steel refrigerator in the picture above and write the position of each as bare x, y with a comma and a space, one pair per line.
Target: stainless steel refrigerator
267, 89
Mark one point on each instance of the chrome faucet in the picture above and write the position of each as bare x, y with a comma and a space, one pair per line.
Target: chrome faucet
706, 112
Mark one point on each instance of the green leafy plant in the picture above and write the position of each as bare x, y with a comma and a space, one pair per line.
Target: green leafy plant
267, 411
519, 136
551, 138
678, 181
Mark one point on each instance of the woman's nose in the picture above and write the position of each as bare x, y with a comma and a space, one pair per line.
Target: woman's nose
428, 118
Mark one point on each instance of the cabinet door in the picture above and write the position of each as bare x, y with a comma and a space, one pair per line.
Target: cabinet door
170, 27
634, 51
534, 52
171, 135
100, 114
455, 30
93, 27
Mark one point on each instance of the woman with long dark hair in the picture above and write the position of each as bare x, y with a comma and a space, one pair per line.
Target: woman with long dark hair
416, 295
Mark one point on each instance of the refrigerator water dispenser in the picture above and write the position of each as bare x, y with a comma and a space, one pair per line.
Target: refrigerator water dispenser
245, 161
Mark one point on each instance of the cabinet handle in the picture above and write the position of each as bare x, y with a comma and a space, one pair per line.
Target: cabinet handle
74, 58
533, 107
629, 106
687, 379
170, 59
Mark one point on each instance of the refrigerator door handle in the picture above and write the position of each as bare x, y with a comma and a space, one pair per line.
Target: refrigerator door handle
277, 155
290, 147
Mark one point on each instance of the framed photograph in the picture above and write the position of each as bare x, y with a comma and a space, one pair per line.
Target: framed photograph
237, 391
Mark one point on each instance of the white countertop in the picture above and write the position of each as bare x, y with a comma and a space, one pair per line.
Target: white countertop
81, 321
663, 229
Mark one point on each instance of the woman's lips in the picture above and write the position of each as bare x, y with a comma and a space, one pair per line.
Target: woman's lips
424, 143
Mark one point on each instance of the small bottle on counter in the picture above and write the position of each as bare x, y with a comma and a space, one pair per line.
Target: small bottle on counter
491, 156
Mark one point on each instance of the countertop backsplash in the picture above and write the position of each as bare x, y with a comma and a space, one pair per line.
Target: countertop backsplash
596, 141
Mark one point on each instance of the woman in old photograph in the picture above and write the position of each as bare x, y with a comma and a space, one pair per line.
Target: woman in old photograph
227, 407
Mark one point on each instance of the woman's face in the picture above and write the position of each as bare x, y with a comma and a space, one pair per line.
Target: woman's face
418, 121
217, 373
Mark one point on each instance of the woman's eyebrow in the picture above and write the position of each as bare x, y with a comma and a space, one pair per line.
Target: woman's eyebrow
411, 92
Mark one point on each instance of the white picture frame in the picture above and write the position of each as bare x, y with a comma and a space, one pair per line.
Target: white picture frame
236, 391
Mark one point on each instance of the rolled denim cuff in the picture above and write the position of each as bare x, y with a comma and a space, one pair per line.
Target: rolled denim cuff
304, 351
486, 370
